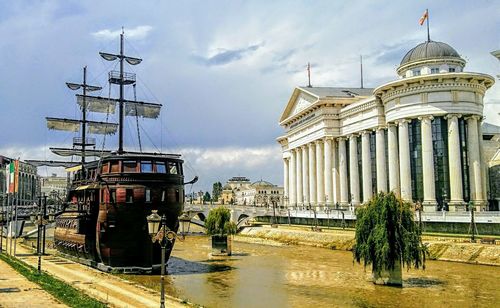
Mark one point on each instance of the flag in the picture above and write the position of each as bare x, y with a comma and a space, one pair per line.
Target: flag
424, 17
16, 175
11, 176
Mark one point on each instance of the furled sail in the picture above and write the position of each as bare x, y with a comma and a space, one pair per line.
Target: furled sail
142, 109
63, 124
78, 152
108, 56
97, 103
101, 128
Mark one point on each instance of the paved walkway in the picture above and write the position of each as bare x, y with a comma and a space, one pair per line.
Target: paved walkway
104, 287
17, 291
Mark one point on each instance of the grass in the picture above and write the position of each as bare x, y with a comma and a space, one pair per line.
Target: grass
57, 288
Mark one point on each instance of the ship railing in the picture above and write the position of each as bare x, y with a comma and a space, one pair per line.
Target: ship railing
78, 141
115, 78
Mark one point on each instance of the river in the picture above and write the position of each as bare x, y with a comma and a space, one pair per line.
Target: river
296, 276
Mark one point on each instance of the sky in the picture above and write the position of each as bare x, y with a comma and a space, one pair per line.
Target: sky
223, 70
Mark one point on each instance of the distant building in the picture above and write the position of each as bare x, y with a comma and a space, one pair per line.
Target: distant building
234, 184
260, 193
54, 186
28, 186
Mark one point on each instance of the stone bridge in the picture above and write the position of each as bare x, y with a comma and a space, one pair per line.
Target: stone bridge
240, 215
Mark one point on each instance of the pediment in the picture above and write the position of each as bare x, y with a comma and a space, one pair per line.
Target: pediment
299, 101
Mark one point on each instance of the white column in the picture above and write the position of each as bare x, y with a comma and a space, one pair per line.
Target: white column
343, 172
456, 192
381, 161
328, 172
428, 164
393, 157
367, 166
320, 173
293, 178
286, 176
300, 192
312, 173
335, 167
475, 174
353, 169
484, 164
305, 174
404, 160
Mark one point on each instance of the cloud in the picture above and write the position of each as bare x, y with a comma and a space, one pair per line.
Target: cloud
139, 32
225, 56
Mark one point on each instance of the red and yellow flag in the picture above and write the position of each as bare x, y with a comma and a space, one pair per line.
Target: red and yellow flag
16, 175
424, 17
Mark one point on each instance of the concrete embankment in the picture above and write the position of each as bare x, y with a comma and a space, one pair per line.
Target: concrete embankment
440, 248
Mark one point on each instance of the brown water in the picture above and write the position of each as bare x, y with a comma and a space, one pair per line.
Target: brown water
294, 276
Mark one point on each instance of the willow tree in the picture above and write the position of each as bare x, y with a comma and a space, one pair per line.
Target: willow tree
219, 225
387, 238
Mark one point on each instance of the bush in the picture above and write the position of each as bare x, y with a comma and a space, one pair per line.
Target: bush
219, 222
386, 234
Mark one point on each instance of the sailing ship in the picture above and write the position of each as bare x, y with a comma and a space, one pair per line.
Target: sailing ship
104, 221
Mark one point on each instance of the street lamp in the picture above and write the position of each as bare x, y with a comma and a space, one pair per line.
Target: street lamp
2, 221
40, 220
160, 233
185, 222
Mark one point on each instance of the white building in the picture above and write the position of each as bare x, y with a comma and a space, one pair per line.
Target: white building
54, 186
419, 136
260, 193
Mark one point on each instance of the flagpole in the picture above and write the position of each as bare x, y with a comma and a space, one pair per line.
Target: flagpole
309, 74
428, 32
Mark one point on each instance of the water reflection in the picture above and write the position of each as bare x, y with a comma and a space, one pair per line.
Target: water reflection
292, 276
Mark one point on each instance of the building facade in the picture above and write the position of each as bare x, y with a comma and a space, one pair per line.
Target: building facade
260, 193
28, 186
55, 187
419, 136
233, 185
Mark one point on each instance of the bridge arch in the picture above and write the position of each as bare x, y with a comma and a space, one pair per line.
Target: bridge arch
200, 216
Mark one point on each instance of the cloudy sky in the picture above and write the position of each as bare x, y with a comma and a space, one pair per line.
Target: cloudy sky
223, 70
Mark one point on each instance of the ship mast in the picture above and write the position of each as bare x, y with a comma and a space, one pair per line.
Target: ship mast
122, 78
85, 87
84, 115
89, 103
120, 100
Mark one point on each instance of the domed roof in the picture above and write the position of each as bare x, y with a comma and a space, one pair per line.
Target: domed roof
262, 183
430, 50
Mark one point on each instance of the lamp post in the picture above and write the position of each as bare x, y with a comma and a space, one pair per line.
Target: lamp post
2, 221
40, 219
160, 233
184, 222
274, 225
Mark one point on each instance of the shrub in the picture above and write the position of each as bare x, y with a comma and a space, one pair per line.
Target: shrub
219, 222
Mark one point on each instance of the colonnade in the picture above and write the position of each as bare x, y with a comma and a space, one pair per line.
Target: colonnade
318, 173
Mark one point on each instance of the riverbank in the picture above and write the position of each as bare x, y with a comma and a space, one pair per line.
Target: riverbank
106, 288
17, 290
441, 248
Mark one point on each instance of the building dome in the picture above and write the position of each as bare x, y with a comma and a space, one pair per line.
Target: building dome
429, 50
262, 183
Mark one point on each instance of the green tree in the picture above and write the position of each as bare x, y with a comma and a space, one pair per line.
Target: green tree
219, 223
216, 190
388, 237
206, 197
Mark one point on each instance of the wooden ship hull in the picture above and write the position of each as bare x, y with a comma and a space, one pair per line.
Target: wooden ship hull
105, 223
